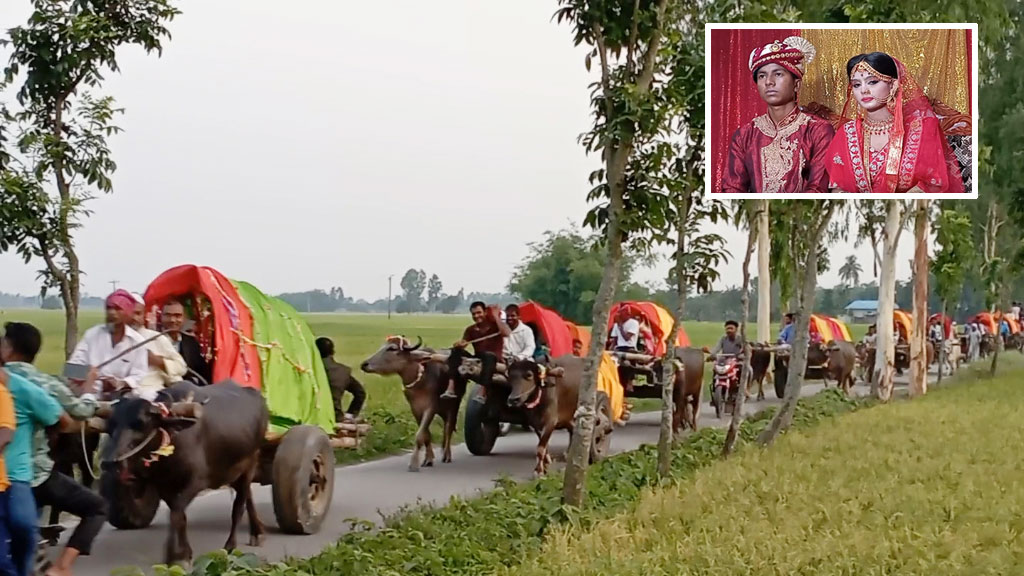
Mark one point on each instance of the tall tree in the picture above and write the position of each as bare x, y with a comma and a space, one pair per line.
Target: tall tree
413, 283
626, 38
896, 219
850, 271
764, 278
751, 212
918, 340
63, 159
434, 289
810, 222
954, 257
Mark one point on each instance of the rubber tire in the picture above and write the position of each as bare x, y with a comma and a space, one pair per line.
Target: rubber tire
291, 472
600, 442
480, 434
127, 511
719, 402
781, 375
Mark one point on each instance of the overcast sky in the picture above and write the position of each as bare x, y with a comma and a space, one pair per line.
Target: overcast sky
320, 143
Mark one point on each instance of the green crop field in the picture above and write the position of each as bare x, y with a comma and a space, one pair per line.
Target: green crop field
356, 337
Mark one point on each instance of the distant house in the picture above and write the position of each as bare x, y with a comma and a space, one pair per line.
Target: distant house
862, 311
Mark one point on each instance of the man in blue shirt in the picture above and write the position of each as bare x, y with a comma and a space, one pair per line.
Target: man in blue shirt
788, 333
34, 408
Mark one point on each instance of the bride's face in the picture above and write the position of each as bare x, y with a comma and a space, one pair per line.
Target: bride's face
870, 91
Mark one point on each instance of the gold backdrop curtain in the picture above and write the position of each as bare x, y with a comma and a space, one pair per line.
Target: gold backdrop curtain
937, 59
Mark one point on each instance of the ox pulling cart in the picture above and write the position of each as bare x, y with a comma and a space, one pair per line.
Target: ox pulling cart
262, 343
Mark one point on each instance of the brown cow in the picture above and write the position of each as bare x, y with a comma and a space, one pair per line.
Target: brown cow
549, 402
687, 388
423, 382
842, 356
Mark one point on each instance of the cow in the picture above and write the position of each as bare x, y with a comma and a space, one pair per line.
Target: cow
760, 360
686, 389
423, 381
547, 401
152, 443
842, 356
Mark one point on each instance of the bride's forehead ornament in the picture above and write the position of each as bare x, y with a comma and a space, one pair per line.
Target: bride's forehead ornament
863, 66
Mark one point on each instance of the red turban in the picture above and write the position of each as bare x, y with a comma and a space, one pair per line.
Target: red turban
122, 300
793, 54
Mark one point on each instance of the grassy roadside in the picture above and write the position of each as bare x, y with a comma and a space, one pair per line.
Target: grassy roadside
930, 487
508, 526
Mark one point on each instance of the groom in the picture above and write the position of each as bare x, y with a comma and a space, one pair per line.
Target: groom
783, 150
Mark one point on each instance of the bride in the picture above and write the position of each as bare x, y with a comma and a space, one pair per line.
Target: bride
895, 143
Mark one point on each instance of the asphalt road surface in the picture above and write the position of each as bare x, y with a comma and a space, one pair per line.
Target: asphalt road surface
366, 491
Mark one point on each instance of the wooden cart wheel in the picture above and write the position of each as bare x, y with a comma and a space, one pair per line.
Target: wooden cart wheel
600, 444
303, 480
781, 375
480, 431
130, 505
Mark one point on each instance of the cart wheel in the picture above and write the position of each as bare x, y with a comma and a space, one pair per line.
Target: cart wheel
303, 480
600, 444
480, 431
130, 506
781, 375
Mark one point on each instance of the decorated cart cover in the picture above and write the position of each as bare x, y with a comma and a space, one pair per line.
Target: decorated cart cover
829, 328
294, 379
947, 323
903, 322
222, 319
253, 337
988, 320
551, 326
579, 333
558, 335
659, 319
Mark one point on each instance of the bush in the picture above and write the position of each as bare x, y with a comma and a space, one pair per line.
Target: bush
507, 526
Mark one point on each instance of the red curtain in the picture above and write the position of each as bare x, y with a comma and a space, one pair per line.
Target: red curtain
733, 95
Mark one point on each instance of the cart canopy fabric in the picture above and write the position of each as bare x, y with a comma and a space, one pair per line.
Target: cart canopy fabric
903, 322
829, 328
579, 333
659, 319
986, 319
222, 319
608, 382
550, 325
294, 378
258, 341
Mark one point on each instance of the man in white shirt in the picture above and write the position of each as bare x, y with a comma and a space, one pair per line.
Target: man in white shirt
626, 335
102, 343
166, 366
520, 344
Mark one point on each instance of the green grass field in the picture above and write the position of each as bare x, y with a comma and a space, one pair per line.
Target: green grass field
356, 337
930, 487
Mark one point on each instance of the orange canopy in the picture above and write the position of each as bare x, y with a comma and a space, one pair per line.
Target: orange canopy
219, 313
988, 320
903, 322
550, 325
1014, 324
829, 328
659, 319
579, 333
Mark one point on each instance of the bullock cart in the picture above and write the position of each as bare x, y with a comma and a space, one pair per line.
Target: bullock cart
823, 329
258, 342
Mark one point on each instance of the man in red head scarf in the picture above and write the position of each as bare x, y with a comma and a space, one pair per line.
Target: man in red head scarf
100, 345
782, 151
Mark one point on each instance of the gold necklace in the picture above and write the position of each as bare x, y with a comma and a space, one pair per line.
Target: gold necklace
877, 128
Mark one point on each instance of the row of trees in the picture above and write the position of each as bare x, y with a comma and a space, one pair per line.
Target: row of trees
648, 129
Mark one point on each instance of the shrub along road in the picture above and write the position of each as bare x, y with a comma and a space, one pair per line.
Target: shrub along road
366, 492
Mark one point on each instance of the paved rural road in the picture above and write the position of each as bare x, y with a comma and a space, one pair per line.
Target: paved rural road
365, 491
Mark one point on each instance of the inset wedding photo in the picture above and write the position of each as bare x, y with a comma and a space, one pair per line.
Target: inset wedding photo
867, 111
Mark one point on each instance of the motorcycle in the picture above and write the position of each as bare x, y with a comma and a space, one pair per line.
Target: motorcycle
725, 382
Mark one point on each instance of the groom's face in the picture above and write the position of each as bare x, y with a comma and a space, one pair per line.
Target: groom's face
776, 85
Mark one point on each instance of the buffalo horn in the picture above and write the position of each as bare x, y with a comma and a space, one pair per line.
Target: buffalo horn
104, 409
186, 409
419, 342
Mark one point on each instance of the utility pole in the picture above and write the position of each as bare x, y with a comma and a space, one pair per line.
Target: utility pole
389, 295
113, 285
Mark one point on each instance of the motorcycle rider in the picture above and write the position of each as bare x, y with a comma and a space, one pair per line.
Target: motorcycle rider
732, 343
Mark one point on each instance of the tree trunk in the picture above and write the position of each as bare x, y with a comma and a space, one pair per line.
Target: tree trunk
578, 456
997, 345
741, 394
764, 278
808, 276
885, 351
918, 350
942, 349
668, 407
